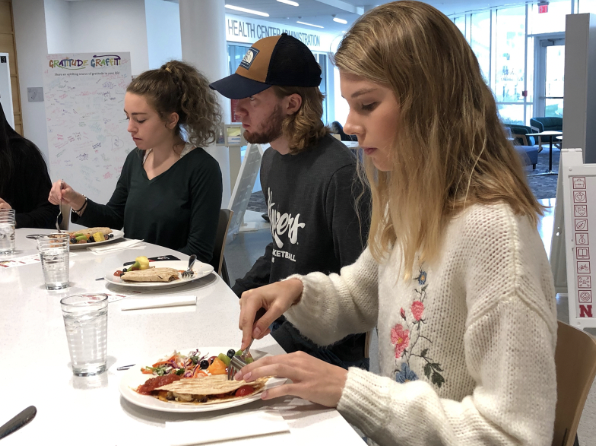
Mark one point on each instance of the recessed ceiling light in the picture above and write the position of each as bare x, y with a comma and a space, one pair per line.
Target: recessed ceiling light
248, 11
309, 24
289, 2
342, 21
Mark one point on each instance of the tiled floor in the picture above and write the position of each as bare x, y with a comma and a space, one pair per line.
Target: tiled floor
247, 247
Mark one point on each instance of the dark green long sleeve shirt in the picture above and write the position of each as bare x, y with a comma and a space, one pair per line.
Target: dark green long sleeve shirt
178, 209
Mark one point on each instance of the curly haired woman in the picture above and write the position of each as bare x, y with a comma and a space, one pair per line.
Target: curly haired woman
455, 275
169, 192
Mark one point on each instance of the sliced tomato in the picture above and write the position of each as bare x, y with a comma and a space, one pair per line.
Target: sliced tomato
244, 390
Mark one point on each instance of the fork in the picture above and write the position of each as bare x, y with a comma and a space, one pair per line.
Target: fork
189, 272
59, 210
237, 362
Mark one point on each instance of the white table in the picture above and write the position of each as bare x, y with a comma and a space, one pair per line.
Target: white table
35, 363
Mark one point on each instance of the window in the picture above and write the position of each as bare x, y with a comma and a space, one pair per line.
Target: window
460, 22
480, 41
510, 54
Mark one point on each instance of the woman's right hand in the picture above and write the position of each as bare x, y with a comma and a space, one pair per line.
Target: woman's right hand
62, 192
275, 298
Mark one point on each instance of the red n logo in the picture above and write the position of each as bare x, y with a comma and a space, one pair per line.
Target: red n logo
585, 311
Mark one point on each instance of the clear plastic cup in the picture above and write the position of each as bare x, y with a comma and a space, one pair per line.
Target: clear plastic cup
86, 324
53, 252
7, 231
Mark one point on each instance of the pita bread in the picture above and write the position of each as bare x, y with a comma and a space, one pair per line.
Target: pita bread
91, 231
151, 275
209, 389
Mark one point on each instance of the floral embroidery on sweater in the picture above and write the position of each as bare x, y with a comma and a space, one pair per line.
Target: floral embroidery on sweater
407, 334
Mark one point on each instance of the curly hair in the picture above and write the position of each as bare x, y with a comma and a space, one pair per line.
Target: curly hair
304, 128
179, 87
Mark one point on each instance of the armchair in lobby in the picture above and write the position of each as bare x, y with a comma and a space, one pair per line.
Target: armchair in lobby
525, 145
545, 124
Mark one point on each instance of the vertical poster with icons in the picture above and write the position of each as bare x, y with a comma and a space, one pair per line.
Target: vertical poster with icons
86, 125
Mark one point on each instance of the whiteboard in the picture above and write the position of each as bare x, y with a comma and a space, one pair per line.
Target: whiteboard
86, 125
579, 240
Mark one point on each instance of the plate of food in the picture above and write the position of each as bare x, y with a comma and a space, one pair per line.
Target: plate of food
191, 380
88, 237
145, 274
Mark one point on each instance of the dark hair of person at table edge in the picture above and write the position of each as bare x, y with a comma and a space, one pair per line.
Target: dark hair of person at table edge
24, 180
170, 189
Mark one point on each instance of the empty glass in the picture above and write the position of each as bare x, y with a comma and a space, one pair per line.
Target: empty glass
86, 324
53, 252
7, 231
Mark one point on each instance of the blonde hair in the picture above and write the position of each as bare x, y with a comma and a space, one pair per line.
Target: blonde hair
450, 149
181, 88
304, 128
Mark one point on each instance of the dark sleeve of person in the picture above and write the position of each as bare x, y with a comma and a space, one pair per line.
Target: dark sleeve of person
348, 225
206, 193
257, 276
35, 178
109, 215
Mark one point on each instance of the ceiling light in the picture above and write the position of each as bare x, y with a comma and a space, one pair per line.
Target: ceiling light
248, 11
342, 21
310, 24
289, 2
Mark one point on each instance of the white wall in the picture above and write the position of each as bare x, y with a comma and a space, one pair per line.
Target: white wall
30, 36
58, 26
163, 32
109, 26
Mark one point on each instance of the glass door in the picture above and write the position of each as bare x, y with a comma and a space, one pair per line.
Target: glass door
550, 76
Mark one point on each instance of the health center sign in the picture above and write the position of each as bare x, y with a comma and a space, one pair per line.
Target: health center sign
244, 30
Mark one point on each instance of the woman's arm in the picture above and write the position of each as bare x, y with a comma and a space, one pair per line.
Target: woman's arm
206, 192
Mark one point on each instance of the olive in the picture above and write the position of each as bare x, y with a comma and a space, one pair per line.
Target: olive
231, 353
91, 239
110, 236
204, 364
73, 240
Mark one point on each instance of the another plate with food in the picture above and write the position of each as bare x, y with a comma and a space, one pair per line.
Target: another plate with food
88, 237
145, 274
191, 380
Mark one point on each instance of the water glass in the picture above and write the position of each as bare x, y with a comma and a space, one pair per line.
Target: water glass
7, 232
53, 252
86, 324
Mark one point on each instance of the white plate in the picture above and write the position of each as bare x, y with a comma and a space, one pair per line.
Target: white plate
118, 234
133, 377
200, 269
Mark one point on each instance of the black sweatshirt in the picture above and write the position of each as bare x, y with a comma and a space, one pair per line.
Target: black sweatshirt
178, 209
29, 187
312, 209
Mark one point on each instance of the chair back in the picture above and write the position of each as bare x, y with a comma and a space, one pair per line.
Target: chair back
64, 223
218, 262
545, 124
519, 132
575, 360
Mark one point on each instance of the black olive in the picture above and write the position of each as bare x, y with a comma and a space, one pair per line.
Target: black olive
204, 364
73, 240
91, 239
231, 353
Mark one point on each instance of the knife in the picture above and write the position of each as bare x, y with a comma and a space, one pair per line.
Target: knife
18, 422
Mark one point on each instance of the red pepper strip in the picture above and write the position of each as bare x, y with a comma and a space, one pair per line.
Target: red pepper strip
167, 361
146, 371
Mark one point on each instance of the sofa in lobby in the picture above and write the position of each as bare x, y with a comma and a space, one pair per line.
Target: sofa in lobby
526, 146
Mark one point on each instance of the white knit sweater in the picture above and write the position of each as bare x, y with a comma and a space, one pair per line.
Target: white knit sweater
466, 346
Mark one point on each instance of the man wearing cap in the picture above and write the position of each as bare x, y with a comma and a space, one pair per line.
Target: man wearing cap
308, 178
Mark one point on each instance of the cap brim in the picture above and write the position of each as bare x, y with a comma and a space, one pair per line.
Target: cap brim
238, 87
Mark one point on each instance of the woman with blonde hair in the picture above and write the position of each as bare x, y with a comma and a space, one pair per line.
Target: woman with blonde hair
455, 275
169, 192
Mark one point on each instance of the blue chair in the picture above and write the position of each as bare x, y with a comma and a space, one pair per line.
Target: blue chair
525, 145
547, 124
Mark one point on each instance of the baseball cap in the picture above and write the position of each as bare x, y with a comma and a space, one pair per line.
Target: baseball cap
277, 60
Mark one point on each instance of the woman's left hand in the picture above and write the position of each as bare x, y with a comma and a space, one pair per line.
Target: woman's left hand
4, 204
312, 379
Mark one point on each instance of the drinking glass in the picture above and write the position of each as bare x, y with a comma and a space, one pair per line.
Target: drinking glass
53, 252
7, 231
86, 324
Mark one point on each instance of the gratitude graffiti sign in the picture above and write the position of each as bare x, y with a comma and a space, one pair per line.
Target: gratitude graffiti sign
97, 61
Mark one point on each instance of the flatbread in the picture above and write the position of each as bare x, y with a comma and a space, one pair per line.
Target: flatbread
151, 275
209, 387
91, 231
